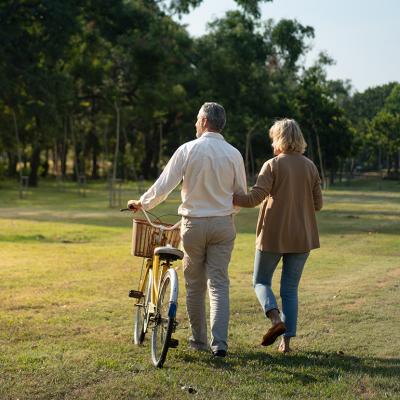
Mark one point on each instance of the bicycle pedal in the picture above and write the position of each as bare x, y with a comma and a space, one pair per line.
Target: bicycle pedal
135, 294
173, 343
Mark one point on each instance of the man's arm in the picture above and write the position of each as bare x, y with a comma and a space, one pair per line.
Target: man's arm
240, 183
163, 186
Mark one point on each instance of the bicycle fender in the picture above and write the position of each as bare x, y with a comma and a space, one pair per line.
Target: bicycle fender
172, 310
173, 300
174, 286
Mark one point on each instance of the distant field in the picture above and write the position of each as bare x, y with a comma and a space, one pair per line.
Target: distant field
66, 319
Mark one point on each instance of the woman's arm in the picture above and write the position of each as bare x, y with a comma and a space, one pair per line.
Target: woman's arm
317, 193
259, 191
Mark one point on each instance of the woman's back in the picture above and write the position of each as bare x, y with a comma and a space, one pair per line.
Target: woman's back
287, 222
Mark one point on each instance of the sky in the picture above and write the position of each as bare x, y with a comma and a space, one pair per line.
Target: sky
362, 36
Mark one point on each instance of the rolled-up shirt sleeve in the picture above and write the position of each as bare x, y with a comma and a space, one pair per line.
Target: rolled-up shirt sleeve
259, 191
167, 181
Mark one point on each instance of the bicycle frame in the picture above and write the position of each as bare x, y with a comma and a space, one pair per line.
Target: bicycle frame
158, 272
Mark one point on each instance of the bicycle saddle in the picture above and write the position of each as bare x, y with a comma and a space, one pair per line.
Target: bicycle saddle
169, 252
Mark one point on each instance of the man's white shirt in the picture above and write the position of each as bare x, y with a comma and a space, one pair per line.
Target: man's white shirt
211, 169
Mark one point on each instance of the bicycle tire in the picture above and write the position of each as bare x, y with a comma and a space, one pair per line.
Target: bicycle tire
165, 318
142, 312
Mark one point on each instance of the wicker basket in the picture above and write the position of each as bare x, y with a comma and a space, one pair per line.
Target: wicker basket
146, 238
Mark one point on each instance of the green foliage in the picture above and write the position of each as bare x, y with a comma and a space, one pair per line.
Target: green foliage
289, 37
367, 104
376, 117
385, 128
96, 87
183, 6
251, 7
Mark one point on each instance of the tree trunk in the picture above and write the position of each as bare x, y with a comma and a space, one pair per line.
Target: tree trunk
340, 169
12, 164
117, 112
19, 152
106, 152
352, 163
64, 153
332, 175
146, 165
77, 150
160, 150
45, 165
398, 160
320, 162
77, 163
95, 166
252, 163
35, 162
388, 163
94, 144
64, 150
310, 147
247, 154
56, 171
249, 160
394, 162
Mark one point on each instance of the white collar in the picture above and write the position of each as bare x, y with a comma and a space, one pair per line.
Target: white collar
214, 135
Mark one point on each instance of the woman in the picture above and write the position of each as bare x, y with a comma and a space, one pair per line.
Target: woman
289, 188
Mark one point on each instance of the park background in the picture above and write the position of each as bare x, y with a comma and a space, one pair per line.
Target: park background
95, 96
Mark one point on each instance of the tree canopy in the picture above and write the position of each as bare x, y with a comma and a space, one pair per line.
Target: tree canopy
113, 87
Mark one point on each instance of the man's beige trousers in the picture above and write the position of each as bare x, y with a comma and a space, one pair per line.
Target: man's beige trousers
208, 244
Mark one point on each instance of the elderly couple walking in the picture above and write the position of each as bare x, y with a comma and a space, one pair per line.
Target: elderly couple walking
213, 189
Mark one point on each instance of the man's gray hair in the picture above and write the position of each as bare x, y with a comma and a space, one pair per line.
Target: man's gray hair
215, 115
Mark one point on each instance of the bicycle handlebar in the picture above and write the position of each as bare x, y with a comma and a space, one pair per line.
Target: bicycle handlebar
165, 228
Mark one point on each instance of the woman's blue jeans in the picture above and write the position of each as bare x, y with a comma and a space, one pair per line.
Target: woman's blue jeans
264, 267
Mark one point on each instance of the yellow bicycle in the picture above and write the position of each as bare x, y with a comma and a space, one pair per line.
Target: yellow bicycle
157, 295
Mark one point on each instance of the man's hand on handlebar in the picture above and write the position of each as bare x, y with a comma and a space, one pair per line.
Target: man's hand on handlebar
134, 205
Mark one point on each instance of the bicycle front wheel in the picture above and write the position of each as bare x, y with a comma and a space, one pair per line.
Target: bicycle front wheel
164, 318
142, 311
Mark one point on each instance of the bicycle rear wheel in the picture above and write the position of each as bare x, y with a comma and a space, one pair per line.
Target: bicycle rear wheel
164, 318
142, 311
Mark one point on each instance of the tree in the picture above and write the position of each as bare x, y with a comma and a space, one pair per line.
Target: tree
328, 131
362, 109
385, 130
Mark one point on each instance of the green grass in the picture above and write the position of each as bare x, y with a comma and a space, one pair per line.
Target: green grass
66, 320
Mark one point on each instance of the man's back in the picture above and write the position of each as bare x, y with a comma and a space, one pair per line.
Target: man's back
213, 171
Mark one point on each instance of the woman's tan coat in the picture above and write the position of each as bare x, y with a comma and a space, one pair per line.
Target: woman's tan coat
289, 188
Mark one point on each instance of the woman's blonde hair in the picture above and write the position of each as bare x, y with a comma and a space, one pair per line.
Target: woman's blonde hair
287, 137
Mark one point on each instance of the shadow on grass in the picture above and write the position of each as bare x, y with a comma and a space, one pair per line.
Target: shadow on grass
306, 367
329, 365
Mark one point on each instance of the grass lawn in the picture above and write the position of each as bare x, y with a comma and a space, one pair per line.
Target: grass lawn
66, 319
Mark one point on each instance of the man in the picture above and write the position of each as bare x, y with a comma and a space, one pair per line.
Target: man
212, 170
